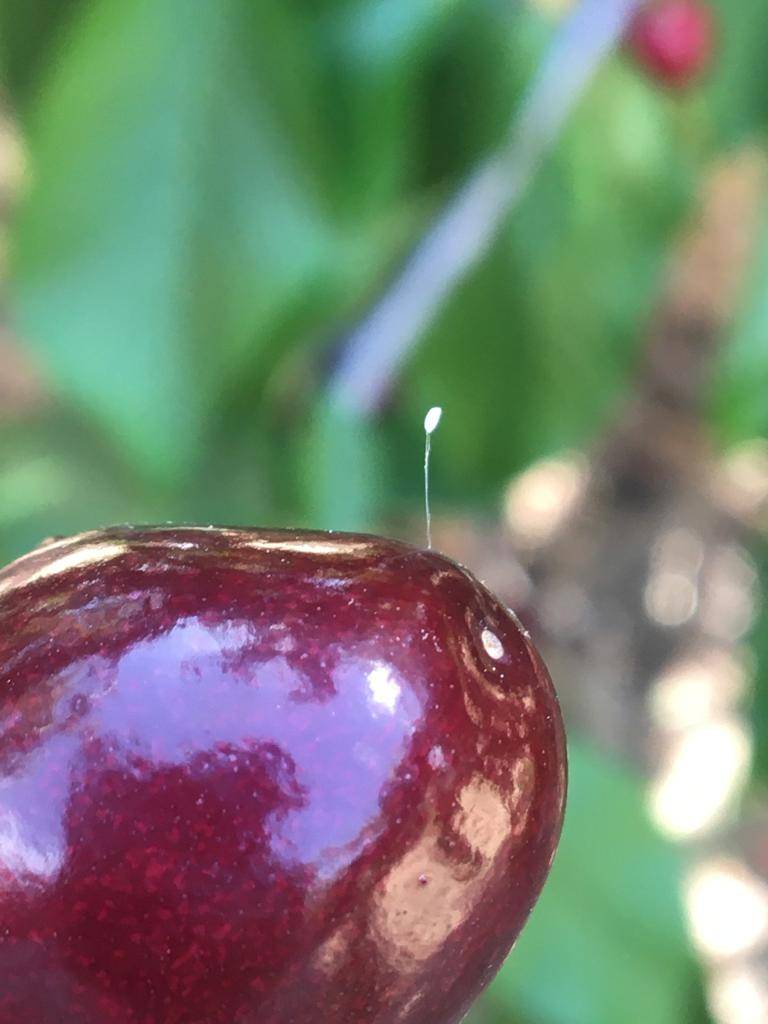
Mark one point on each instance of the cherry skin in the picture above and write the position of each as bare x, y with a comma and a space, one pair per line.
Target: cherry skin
259, 777
674, 40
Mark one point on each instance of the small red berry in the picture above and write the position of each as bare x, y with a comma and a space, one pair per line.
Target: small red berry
673, 40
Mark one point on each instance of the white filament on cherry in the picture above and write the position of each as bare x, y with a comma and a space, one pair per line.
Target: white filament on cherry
431, 421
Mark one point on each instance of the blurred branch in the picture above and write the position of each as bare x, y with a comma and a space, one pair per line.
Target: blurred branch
649, 592
464, 231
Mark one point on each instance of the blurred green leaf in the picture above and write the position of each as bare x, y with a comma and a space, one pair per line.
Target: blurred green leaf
56, 478
734, 91
534, 351
419, 89
741, 386
30, 485
485, 60
344, 471
171, 224
384, 33
606, 941
29, 33
758, 646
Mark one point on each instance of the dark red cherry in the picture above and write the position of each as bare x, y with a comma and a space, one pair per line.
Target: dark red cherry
264, 777
673, 40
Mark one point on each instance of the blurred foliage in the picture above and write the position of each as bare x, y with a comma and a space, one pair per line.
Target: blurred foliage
759, 648
741, 408
216, 196
219, 189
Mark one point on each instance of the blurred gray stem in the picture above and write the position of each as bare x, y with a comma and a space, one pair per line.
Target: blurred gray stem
464, 231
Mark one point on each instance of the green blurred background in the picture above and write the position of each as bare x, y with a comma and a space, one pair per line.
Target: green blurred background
201, 199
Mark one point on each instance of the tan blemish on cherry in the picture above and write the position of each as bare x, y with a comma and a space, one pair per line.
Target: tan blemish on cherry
427, 896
